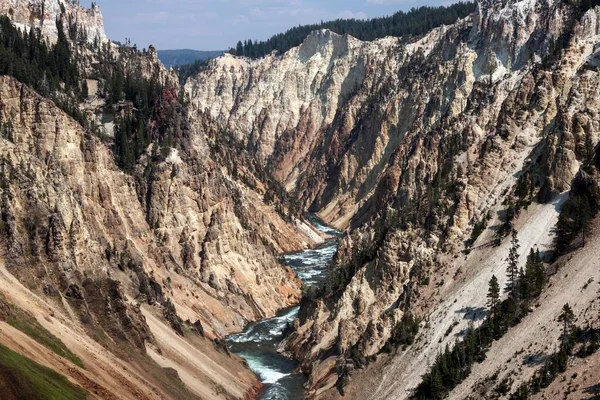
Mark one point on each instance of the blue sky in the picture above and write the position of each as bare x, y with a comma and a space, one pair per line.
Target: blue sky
219, 24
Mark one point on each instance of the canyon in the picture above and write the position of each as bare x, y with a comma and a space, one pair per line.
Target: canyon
159, 264
416, 148
407, 145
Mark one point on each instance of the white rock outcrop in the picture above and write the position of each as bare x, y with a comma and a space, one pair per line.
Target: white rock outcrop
43, 14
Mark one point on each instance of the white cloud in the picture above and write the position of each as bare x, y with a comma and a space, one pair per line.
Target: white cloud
151, 17
347, 14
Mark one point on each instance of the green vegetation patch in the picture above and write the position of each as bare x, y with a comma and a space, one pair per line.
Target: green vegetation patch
22, 378
26, 323
29, 326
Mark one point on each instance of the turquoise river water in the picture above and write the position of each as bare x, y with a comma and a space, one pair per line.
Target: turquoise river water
257, 344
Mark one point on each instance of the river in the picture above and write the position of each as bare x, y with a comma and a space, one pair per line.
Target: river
258, 343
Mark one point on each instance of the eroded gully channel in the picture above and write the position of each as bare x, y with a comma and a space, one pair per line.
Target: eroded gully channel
258, 343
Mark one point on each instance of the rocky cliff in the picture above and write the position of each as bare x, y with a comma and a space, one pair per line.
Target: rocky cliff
147, 270
78, 234
42, 14
412, 144
427, 150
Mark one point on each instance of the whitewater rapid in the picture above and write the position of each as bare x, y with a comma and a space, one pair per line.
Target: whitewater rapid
258, 343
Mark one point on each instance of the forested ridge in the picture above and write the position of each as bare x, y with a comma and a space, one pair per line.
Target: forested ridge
187, 70
175, 58
27, 57
524, 288
415, 22
146, 111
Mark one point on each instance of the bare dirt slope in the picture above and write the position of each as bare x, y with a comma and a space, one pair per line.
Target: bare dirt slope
577, 282
214, 374
105, 375
205, 372
519, 353
463, 301
580, 382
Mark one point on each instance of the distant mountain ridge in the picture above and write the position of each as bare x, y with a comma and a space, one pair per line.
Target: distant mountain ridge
174, 58
415, 22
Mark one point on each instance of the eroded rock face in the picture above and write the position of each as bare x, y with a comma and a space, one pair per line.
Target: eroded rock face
42, 14
278, 105
178, 254
173, 236
409, 144
67, 205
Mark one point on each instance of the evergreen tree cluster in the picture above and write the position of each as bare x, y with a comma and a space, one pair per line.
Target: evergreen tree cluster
588, 342
152, 114
28, 58
577, 212
454, 364
49, 69
145, 110
52, 71
413, 23
580, 208
524, 284
187, 70
478, 228
574, 219
404, 332
521, 197
126, 84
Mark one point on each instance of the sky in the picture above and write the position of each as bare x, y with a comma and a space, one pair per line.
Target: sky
219, 24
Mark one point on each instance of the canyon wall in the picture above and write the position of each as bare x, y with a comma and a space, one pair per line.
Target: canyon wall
42, 15
410, 144
148, 270
420, 148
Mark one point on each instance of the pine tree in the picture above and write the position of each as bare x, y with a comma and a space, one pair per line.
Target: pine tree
493, 294
585, 216
249, 49
523, 284
84, 89
566, 317
512, 269
535, 274
565, 226
117, 86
